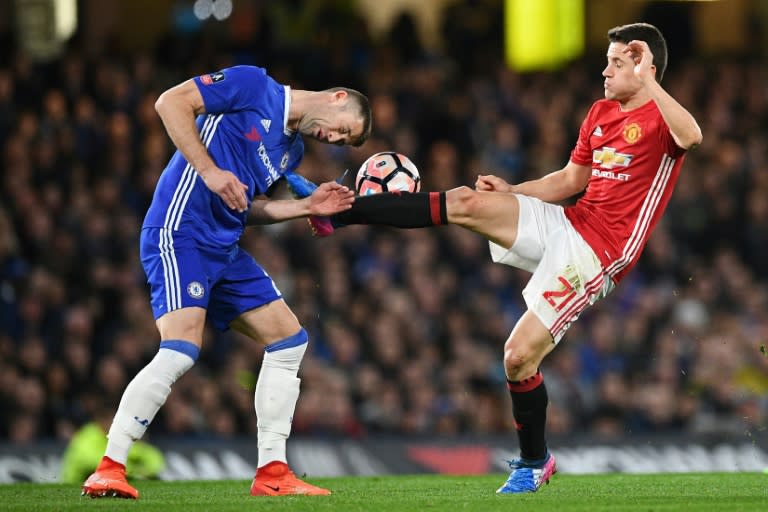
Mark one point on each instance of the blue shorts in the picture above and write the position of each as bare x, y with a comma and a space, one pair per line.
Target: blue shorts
226, 282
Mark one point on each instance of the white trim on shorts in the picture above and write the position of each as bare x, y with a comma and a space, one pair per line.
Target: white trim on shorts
173, 218
567, 275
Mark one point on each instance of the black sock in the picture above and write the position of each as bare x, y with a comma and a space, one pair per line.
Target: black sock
397, 209
529, 407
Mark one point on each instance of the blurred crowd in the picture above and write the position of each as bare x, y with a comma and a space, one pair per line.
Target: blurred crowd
406, 326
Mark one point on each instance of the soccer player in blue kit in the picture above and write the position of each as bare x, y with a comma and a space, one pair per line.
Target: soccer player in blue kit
238, 132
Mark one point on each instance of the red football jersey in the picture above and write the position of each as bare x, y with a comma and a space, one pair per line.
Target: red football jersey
635, 163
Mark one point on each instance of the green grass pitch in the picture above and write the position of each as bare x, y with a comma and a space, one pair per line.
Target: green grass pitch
698, 492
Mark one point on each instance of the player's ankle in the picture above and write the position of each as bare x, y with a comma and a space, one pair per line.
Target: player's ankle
107, 464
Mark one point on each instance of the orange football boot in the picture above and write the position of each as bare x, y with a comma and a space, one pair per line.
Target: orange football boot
277, 479
108, 481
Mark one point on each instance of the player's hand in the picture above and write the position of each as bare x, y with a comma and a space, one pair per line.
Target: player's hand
642, 57
330, 198
491, 183
230, 189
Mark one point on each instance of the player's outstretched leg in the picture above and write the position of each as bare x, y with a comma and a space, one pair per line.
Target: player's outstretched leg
277, 479
397, 209
528, 476
109, 481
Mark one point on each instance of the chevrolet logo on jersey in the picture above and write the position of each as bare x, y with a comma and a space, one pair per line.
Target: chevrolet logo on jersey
609, 158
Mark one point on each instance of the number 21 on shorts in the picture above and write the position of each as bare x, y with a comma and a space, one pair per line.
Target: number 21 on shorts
558, 299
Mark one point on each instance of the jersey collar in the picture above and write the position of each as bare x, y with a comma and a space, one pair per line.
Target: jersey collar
286, 130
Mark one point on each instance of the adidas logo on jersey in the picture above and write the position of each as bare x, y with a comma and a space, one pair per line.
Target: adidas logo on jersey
598, 132
266, 124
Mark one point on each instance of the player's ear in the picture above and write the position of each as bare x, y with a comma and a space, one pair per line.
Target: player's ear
340, 95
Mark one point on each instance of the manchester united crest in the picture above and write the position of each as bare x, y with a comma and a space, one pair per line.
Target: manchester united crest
632, 133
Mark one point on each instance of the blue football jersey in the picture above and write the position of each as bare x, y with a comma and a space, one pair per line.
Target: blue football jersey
244, 129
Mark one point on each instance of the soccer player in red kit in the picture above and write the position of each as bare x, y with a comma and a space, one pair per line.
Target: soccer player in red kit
626, 161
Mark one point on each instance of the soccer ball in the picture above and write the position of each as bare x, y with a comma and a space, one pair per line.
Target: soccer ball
387, 171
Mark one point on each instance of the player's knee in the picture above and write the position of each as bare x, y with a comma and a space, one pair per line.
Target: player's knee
515, 359
519, 361
461, 204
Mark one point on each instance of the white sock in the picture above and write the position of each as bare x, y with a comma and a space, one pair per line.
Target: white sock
146, 393
277, 391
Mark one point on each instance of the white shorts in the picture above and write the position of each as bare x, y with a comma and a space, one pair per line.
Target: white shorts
567, 275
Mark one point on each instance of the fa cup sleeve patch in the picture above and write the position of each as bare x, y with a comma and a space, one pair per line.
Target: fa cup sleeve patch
212, 78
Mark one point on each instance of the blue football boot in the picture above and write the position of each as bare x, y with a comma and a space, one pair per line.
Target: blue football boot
528, 476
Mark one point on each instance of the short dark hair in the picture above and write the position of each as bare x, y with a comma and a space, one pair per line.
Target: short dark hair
644, 32
364, 108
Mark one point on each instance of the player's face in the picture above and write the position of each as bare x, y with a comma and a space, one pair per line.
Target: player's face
340, 128
620, 81
334, 122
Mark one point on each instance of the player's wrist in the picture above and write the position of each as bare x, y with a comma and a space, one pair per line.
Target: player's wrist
207, 172
307, 207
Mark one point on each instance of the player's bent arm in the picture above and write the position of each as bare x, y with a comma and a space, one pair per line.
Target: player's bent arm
684, 128
557, 186
178, 107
